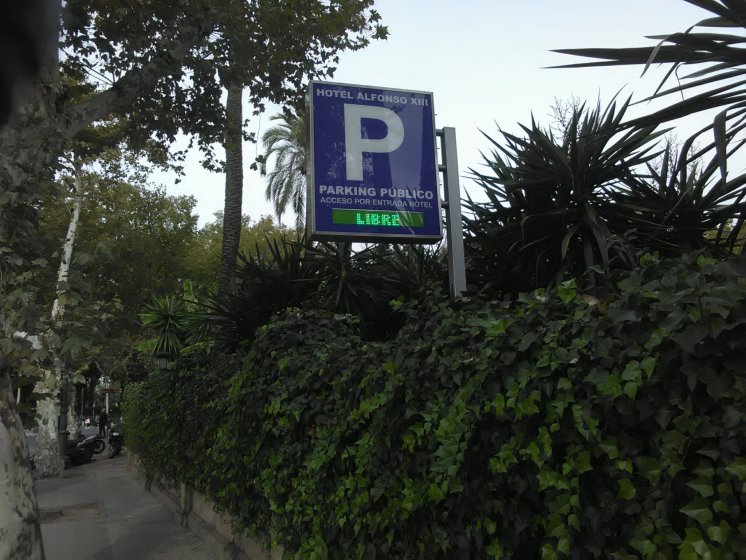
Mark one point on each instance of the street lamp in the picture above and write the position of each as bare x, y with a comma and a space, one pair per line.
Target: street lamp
161, 359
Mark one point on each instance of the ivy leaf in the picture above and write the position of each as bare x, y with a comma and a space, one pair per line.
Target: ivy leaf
632, 371
698, 509
694, 547
648, 365
630, 389
692, 335
548, 552
610, 448
738, 468
719, 533
435, 493
702, 486
650, 468
495, 550
627, 491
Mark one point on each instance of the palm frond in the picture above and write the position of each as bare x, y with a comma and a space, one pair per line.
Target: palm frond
719, 59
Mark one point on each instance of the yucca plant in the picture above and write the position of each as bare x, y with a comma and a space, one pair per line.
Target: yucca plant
264, 286
409, 271
167, 317
550, 200
416, 267
178, 320
354, 282
683, 204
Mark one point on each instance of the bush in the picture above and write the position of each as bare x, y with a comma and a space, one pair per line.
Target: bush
171, 419
556, 426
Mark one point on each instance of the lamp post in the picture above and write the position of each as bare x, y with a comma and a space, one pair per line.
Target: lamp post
161, 359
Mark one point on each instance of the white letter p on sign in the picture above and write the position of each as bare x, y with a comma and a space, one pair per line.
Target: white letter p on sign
355, 144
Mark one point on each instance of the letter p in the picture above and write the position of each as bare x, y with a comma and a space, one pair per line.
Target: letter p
355, 144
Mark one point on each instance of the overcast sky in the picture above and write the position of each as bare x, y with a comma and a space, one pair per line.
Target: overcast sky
486, 63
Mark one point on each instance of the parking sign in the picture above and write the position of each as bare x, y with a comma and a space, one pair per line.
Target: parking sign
372, 164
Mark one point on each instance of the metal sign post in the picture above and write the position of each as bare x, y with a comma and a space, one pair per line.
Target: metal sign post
452, 204
372, 170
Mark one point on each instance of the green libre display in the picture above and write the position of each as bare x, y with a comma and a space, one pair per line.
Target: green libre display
380, 218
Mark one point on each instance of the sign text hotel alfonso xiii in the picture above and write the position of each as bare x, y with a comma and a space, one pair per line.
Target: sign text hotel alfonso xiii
372, 165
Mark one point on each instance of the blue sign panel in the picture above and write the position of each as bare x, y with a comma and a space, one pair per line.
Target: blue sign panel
372, 165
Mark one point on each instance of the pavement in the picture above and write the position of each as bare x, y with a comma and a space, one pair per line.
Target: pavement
98, 511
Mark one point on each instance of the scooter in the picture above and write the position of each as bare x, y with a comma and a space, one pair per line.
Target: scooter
97, 442
80, 453
116, 442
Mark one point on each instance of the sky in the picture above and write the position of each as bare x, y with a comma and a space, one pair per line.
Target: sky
486, 63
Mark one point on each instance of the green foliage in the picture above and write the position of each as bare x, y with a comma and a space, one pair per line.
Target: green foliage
286, 183
717, 58
176, 404
551, 200
703, 62
203, 255
270, 48
275, 275
23, 267
285, 272
593, 199
555, 426
132, 241
682, 204
171, 319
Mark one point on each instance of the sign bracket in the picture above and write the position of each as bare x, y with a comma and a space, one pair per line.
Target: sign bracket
452, 206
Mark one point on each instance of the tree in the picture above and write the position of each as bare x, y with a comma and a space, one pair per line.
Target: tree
127, 240
271, 48
233, 190
280, 44
203, 258
134, 72
133, 240
286, 183
48, 459
28, 40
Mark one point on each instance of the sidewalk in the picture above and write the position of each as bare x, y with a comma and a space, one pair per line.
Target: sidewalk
99, 511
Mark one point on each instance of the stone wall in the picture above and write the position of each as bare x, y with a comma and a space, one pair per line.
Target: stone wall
193, 510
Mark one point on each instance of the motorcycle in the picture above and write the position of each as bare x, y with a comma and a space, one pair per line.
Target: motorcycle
116, 442
80, 453
97, 442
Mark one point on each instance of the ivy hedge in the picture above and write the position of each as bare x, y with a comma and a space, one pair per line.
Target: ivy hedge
560, 425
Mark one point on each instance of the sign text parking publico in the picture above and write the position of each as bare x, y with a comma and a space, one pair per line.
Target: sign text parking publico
372, 171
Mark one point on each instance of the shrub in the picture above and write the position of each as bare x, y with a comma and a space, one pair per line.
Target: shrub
556, 426
171, 419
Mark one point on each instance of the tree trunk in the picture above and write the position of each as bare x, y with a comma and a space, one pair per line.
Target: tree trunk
233, 190
49, 461
63, 273
48, 457
20, 535
25, 149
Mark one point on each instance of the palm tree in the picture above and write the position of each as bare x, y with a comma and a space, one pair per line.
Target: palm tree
716, 80
286, 184
233, 189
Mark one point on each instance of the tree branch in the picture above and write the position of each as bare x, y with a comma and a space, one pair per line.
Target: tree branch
171, 55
